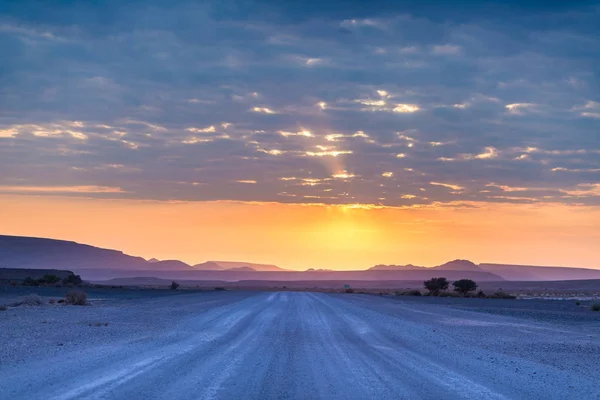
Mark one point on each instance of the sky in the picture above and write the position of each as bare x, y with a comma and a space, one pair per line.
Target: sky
311, 135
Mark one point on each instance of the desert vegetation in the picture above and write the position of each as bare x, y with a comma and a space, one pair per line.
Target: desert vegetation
464, 286
174, 285
47, 280
76, 298
436, 285
32, 300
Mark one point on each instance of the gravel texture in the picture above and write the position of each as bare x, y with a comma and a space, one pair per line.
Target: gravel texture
298, 345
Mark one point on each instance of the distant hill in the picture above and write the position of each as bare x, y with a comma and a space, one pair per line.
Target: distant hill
96, 263
228, 265
534, 273
241, 269
254, 266
458, 265
382, 267
170, 265
208, 266
41, 253
38, 253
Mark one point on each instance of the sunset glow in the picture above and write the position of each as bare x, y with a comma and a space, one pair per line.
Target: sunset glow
341, 140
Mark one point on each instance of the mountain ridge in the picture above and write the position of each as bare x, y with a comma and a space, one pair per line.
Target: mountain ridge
43, 253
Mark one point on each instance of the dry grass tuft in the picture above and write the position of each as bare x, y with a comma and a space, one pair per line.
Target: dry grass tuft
32, 300
76, 298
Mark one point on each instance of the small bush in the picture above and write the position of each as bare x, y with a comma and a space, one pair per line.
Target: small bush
49, 279
595, 307
32, 300
413, 292
349, 290
76, 298
502, 295
72, 280
29, 281
3, 307
174, 285
51, 301
61, 301
577, 303
480, 294
220, 288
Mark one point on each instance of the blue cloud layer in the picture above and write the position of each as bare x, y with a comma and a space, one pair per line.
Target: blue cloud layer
268, 102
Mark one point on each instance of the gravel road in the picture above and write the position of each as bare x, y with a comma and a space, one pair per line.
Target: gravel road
292, 345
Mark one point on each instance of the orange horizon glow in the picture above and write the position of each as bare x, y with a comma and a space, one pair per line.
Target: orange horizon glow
301, 236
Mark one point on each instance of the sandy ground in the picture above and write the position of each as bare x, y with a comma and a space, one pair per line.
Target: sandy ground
298, 345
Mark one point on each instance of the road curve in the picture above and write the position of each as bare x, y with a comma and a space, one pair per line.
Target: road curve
295, 345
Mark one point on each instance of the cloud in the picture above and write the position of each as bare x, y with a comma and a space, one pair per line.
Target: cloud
59, 189
420, 110
446, 49
520, 108
406, 108
447, 185
264, 110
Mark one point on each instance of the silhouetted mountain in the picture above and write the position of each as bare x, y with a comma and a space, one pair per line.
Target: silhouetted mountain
241, 269
234, 276
533, 273
254, 266
208, 266
382, 267
226, 265
171, 265
318, 270
96, 263
39, 253
458, 265
153, 260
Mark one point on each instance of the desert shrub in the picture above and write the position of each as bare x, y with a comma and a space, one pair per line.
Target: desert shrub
220, 288
436, 285
413, 292
577, 303
32, 300
3, 307
174, 285
51, 301
480, 294
595, 307
464, 286
72, 279
49, 279
349, 290
448, 294
76, 298
29, 281
61, 301
502, 295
